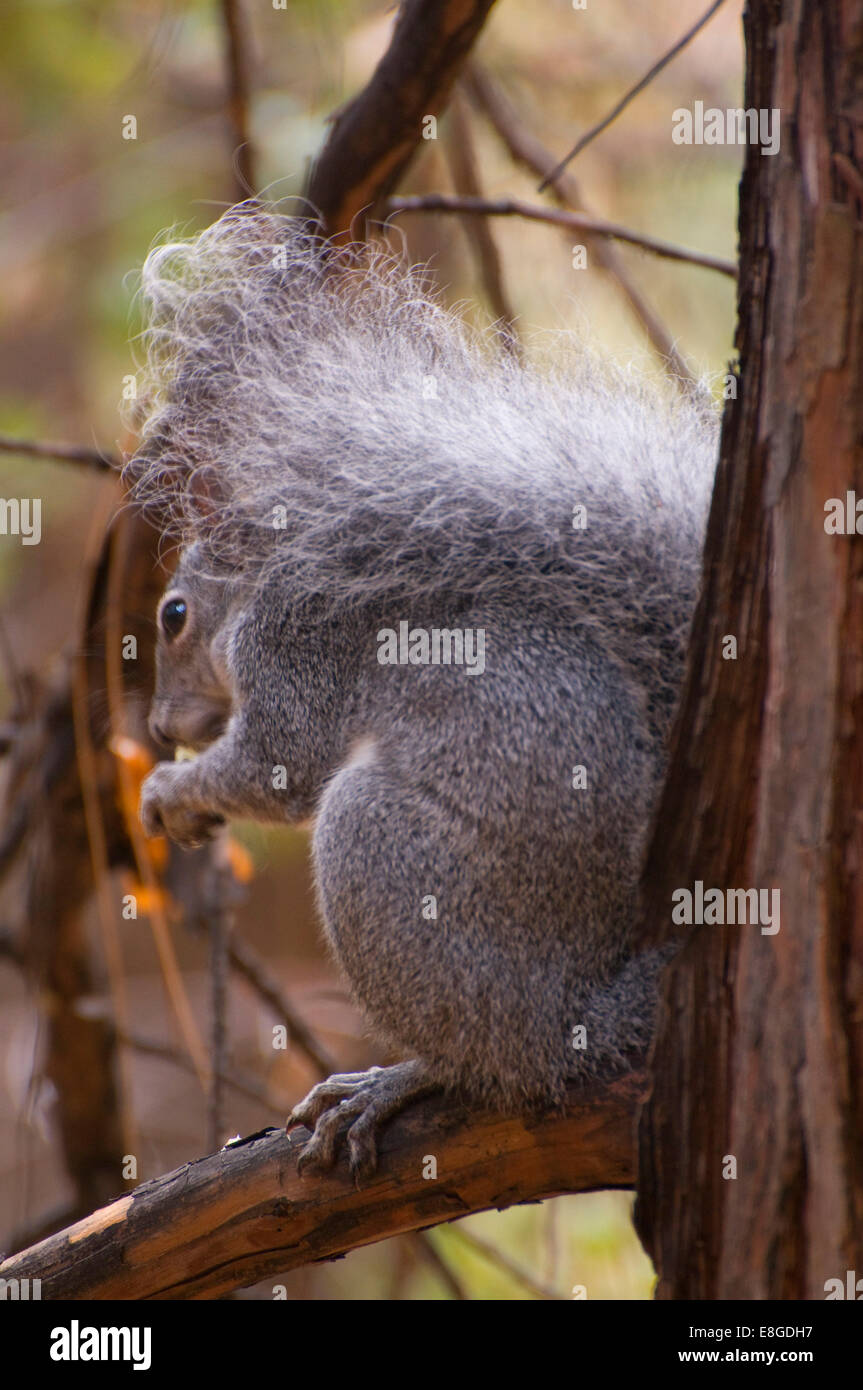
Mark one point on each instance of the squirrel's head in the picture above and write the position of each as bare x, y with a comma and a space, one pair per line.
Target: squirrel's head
193, 697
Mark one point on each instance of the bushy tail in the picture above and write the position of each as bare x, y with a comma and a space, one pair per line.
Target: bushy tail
316, 416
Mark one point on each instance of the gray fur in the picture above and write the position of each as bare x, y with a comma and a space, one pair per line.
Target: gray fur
303, 386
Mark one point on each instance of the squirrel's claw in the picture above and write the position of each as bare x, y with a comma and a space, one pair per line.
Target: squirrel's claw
168, 807
367, 1099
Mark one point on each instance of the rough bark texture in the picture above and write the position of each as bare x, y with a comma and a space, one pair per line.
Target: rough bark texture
759, 1054
244, 1214
374, 137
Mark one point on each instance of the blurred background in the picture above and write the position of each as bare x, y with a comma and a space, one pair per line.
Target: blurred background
80, 207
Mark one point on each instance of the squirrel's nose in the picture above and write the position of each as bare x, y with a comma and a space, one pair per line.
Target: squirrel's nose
159, 734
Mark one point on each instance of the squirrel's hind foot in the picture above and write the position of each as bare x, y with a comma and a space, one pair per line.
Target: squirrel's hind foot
367, 1099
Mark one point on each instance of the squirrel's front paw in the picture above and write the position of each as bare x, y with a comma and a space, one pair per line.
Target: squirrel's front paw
169, 807
367, 1099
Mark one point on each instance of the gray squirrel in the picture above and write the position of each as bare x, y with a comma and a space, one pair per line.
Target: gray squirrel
439, 601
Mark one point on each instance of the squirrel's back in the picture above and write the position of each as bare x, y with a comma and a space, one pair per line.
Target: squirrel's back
319, 417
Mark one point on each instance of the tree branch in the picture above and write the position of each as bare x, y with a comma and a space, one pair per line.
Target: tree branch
374, 137
525, 149
578, 221
246, 962
628, 96
235, 22
244, 1214
62, 453
464, 168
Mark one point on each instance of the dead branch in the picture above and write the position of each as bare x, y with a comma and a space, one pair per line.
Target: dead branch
628, 96
464, 167
506, 1264
245, 960
374, 137
61, 453
235, 22
578, 221
243, 1214
524, 148
240, 1082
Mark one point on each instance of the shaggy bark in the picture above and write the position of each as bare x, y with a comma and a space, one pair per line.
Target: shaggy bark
759, 1055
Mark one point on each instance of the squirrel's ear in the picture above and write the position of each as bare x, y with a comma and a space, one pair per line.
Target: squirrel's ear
205, 491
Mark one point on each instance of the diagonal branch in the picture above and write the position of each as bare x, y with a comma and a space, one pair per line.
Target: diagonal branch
244, 1214
374, 137
524, 148
245, 961
628, 96
578, 221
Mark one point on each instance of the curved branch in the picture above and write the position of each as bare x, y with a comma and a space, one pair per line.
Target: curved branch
244, 1214
373, 138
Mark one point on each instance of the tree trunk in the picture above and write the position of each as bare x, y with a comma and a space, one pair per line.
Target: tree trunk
759, 1054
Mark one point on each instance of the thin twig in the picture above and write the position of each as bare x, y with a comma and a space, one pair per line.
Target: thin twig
428, 1251
62, 453
465, 174
220, 923
505, 1262
237, 1081
237, 60
524, 148
633, 92
578, 221
246, 962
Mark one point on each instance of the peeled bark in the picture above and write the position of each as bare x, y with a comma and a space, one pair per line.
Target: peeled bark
244, 1214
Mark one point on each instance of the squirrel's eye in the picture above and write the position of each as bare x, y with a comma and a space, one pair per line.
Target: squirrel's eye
173, 617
